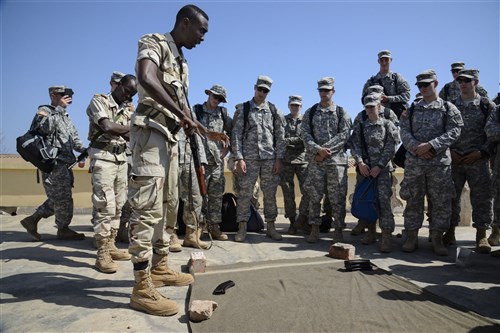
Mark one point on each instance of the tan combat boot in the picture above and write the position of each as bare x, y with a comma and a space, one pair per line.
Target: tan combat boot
411, 243
359, 228
162, 275
30, 224
494, 238
437, 243
271, 231
116, 253
482, 245
104, 262
338, 237
313, 237
302, 225
292, 230
371, 236
216, 233
242, 232
192, 239
146, 298
174, 243
449, 236
385, 241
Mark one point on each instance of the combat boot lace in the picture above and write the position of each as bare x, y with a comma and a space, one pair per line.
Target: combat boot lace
386, 241
292, 230
104, 262
338, 237
359, 228
449, 237
147, 299
66, 233
216, 233
272, 233
30, 223
116, 253
192, 239
162, 275
313, 237
437, 243
411, 243
494, 238
242, 232
482, 245
371, 236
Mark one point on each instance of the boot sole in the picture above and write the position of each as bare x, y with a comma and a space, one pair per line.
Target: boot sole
105, 271
35, 235
138, 307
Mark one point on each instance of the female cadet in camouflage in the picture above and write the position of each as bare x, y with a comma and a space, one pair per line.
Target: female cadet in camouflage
325, 131
294, 163
54, 122
427, 131
470, 160
373, 144
215, 118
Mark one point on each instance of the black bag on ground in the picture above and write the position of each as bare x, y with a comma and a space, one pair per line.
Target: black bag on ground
34, 149
229, 224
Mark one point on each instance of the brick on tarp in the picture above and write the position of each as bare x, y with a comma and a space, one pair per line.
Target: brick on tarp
198, 262
201, 310
342, 251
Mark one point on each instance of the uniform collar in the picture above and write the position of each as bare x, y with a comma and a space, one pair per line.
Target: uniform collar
173, 47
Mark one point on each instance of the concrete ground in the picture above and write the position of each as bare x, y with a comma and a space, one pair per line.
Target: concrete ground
52, 286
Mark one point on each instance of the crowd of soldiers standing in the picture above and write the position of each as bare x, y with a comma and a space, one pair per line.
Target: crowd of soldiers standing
144, 158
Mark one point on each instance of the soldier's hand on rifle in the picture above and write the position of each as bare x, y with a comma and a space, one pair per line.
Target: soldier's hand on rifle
189, 126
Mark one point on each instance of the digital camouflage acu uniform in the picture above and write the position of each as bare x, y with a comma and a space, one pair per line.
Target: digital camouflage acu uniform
54, 122
493, 133
153, 143
260, 143
218, 121
329, 128
294, 164
477, 175
440, 126
451, 90
376, 146
395, 87
108, 165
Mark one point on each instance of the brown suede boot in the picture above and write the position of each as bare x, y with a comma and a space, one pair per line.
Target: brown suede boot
162, 275
192, 239
104, 262
386, 241
338, 237
216, 233
411, 243
313, 237
301, 224
146, 298
271, 231
449, 236
494, 238
30, 223
242, 232
65, 233
371, 236
482, 245
359, 228
292, 230
115, 252
437, 243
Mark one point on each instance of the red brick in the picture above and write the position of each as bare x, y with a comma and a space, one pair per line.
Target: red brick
198, 262
342, 251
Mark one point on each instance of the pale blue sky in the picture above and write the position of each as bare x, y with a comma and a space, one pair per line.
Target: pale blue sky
79, 44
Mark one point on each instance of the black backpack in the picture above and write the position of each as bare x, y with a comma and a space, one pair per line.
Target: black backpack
33, 148
229, 224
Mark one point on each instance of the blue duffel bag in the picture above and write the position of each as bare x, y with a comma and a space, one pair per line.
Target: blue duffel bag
365, 201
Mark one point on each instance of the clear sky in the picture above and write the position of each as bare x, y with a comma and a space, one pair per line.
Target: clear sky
79, 44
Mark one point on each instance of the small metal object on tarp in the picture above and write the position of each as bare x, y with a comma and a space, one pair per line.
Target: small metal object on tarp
358, 265
221, 288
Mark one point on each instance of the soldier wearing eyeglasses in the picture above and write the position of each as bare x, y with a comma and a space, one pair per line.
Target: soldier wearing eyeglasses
428, 129
470, 159
258, 146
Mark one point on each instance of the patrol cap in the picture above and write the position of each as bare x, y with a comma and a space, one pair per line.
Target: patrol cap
457, 65
428, 75
375, 89
469, 73
326, 83
385, 54
117, 76
217, 90
371, 100
61, 90
294, 100
264, 81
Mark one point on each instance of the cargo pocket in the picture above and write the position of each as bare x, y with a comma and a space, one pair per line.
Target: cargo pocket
404, 191
142, 192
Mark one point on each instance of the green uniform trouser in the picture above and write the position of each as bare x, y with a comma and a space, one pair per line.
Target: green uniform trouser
152, 197
287, 183
109, 193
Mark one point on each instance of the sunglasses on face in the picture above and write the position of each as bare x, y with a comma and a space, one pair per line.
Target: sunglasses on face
218, 98
423, 84
324, 90
455, 70
264, 90
464, 80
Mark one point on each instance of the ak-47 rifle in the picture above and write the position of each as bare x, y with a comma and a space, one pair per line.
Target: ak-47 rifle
80, 158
